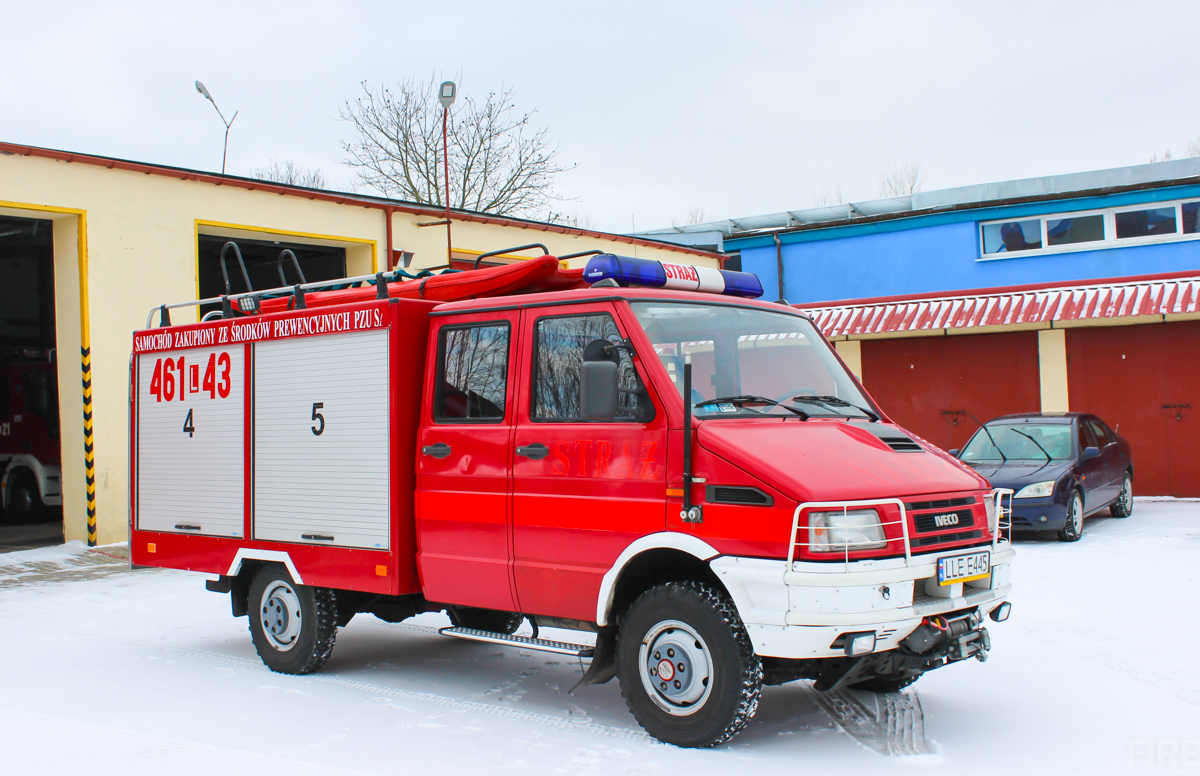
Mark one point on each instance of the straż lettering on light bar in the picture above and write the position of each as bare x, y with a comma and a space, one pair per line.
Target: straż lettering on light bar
661, 274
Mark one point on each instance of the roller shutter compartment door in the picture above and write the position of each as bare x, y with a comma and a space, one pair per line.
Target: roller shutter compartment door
190, 423
321, 451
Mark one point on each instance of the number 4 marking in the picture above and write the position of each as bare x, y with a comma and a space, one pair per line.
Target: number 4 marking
189, 425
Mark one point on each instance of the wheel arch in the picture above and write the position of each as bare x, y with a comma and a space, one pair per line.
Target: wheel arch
653, 560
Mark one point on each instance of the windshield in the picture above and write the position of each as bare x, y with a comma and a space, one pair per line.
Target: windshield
1020, 442
737, 352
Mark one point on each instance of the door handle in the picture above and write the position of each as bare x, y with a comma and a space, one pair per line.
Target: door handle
536, 451
439, 450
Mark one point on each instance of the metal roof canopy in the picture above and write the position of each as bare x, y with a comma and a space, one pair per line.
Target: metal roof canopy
1087, 300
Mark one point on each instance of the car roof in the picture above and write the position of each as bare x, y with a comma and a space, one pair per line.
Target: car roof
1040, 417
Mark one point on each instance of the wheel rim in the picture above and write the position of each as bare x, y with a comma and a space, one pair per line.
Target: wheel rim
281, 618
1076, 516
675, 668
1127, 495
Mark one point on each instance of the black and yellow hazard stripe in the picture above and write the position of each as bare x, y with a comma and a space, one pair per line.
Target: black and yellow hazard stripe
89, 455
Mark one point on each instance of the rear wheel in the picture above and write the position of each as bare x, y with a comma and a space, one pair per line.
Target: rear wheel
293, 626
688, 671
24, 499
1072, 530
1123, 506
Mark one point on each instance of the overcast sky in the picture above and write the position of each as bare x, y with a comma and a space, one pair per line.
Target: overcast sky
734, 108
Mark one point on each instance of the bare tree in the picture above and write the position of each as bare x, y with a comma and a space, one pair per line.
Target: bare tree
902, 179
1194, 146
289, 173
830, 196
1166, 156
499, 162
695, 216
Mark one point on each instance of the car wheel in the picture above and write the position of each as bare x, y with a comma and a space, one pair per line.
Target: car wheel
688, 671
1072, 530
1123, 506
293, 626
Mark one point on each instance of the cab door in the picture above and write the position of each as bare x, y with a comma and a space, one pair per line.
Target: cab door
582, 490
463, 474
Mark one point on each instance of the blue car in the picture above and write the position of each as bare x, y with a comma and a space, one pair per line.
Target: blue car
1063, 467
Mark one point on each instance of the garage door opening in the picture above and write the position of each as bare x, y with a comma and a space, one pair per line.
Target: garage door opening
30, 444
317, 262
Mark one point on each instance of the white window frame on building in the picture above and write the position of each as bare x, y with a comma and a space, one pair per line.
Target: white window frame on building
1109, 240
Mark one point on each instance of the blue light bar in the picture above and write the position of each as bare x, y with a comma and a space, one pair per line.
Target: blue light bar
661, 274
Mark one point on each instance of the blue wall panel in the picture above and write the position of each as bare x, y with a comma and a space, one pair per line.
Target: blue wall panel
941, 258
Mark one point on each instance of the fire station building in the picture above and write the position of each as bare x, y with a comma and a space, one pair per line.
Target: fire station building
1068, 293
90, 245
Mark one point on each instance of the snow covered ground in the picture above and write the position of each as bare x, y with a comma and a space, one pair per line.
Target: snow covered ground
106, 670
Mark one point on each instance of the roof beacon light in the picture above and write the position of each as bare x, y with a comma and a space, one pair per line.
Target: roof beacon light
661, 274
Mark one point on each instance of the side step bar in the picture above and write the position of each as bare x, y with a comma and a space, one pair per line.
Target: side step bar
541, 645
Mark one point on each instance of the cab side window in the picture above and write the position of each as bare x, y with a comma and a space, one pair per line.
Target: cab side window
472, 373
560, 342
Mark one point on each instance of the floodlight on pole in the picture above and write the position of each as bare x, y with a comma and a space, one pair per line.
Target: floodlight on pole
224, 151
447, 93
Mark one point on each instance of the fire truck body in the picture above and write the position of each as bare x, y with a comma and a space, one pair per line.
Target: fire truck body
30, 463
396, 456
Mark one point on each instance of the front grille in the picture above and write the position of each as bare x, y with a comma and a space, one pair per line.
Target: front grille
946, 503
928, 523
924, 541
734, 494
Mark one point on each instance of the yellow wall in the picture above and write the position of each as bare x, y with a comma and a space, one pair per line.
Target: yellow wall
851, 353
141, 252
1052, 370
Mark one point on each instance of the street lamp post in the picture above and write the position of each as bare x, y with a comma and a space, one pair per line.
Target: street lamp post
224, 151
446, 94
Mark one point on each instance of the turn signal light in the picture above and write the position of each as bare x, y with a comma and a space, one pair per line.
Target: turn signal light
860, 644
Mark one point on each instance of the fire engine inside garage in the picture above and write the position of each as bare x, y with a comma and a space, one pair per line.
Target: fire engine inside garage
90, 245
1069, 293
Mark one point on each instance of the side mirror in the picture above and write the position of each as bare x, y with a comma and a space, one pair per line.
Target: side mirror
954, 453
598, 390
1091, 452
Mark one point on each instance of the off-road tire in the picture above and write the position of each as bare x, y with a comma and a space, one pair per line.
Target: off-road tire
24, 500
1072, 531
490, 620
735, 672
276, 603
884, 684
1123, 506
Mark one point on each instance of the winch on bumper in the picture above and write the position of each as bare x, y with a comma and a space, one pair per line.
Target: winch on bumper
879, 616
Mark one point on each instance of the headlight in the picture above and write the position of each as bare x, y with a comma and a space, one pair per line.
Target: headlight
841, 530
1036, 490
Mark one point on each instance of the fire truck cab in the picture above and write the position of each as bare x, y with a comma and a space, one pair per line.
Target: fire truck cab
659, 459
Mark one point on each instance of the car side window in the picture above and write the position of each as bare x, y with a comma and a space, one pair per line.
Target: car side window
1102, 437
559, 346
472, 373
1086, 437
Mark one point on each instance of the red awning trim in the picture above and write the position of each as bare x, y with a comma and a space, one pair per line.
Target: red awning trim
1070, 303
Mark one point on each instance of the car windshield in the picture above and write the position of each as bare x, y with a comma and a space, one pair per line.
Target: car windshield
1020, 442
742, 356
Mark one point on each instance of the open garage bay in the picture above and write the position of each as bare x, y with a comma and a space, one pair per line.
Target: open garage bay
111, 670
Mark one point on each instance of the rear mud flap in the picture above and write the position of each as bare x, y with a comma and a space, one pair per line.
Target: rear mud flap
604, 662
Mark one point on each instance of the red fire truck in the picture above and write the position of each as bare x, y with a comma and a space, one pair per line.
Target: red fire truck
30, 466
654, 457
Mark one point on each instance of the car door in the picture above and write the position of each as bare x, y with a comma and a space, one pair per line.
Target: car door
463, 496
1110, 455
1094, 477
582, 489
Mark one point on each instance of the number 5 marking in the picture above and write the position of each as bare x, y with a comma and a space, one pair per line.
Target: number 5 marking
318, 430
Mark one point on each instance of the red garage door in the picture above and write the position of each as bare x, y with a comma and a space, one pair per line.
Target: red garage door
1147, 379
933, 385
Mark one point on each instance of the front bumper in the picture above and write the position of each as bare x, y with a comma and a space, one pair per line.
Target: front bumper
1038, 514
801, 611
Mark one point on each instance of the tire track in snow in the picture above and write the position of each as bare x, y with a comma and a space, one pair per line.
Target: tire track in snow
549, 720
894, 727
166, 751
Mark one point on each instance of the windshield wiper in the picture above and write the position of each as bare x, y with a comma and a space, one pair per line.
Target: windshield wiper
740, 400
1039, 446
838, 402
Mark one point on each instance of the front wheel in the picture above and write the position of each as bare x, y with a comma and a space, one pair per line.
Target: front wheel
24, 499
1123, 506
688, 671
293, 626
1072, 530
